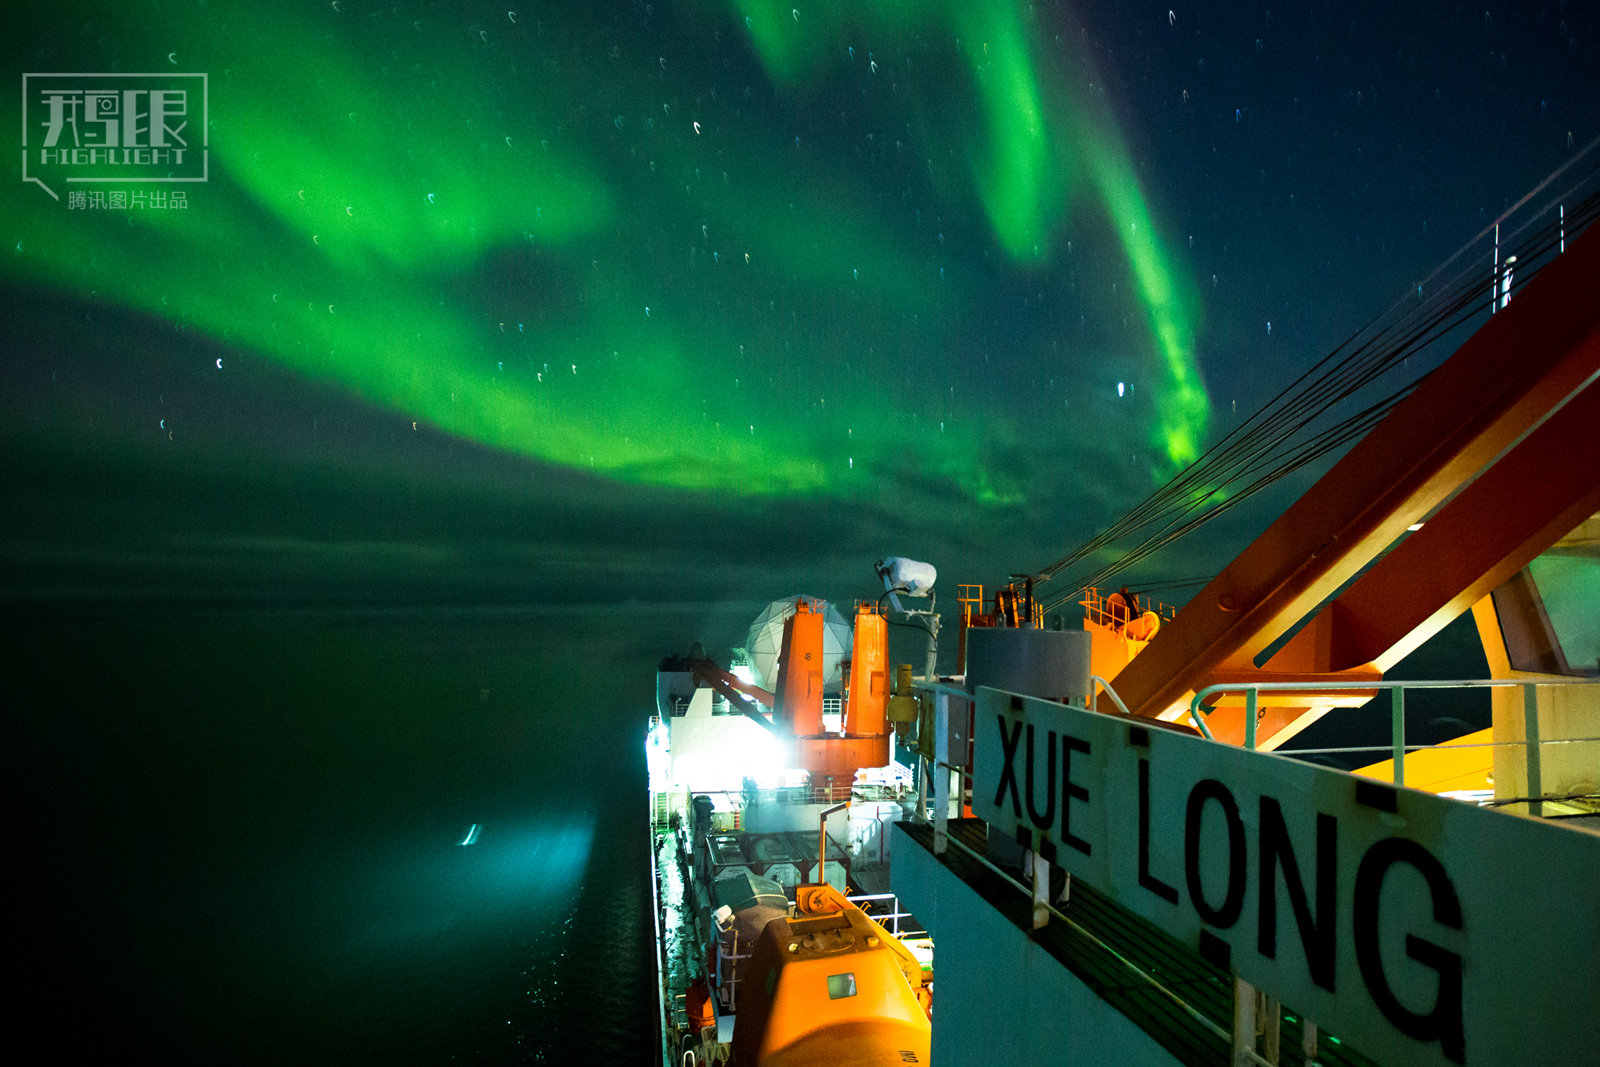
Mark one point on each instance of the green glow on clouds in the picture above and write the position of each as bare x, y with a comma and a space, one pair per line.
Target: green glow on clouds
477, 231
1021, 174
1170, 306
1021, 188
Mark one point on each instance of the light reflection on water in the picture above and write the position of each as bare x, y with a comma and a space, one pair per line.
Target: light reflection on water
242, 841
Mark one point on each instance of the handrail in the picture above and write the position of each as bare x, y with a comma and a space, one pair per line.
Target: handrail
942, 694
940, 687
897, 914
1110, 692
1095, 608
1421, 683
1094, 705
1078, 928
1398, 709
1341, 749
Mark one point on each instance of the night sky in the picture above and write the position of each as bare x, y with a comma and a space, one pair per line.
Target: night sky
691, 303
506, 349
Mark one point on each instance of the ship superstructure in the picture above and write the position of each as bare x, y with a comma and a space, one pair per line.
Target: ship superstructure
1110, 835
1174, 891
770, 809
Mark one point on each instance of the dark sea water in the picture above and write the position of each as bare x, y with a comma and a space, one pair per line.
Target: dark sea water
239, 836
239, 828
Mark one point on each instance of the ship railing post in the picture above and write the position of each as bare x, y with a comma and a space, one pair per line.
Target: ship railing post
1271, 1030
1397, 703
733, 978
922, 788
1041, 891
1244, 1022
1195, 715
1530, 719
723, 978
1257, 1019
1250, 699
1308, 1039
941, 779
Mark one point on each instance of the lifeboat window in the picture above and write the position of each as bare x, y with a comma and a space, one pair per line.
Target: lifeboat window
841, 986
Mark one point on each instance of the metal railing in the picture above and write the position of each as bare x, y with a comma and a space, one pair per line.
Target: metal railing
891, 921
941, 762
1104, 686
1097, 608
1044, 909
1250, 1016
728, 959
1531, 743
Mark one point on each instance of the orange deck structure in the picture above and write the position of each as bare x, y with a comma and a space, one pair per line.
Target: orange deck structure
1494, 454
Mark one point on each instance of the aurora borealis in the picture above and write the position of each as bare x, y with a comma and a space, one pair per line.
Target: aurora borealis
1012, 258
670, 288
508, 347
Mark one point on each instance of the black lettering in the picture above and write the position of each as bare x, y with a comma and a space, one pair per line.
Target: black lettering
1444, 1022
1008, 771
1044, 821
1316, 937
1215, 951
1071, 791
1146, 879
1233, 899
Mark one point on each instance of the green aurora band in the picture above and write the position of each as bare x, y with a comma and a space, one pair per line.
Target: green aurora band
585, 256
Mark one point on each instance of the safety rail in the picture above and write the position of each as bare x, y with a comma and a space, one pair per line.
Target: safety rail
1249, 1019
942, 693
1097, 608
1256, 1014
890, 921
832, 706
1397, 690
1104, 686
972, 601
1043, 909
1134, 969
728, 968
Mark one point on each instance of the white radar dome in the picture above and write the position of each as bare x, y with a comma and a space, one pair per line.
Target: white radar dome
766, 639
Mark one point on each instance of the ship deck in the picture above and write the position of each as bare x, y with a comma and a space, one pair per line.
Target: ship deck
1147, 975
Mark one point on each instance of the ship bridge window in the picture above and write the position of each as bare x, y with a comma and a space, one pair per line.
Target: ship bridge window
841, 986
1569, 585
1546, 611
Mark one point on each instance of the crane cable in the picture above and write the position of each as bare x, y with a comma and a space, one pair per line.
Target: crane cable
1272, 443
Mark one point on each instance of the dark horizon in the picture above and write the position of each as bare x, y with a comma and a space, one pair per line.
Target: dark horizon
981, 401
502, 352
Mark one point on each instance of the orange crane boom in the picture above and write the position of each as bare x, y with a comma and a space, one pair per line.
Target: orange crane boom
1507, 422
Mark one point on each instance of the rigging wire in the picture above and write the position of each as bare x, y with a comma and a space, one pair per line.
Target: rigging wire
1278, 439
